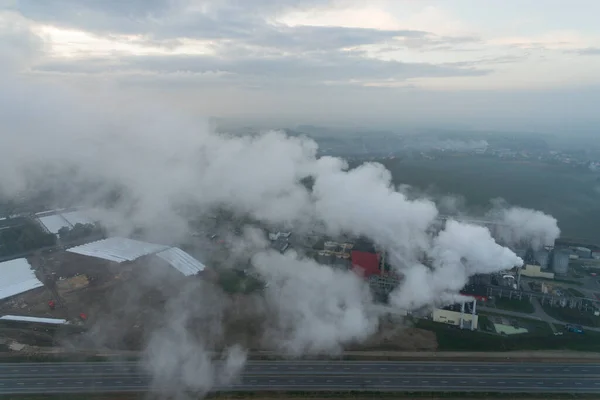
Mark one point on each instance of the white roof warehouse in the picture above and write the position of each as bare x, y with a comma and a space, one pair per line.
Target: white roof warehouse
119, 250
16, 277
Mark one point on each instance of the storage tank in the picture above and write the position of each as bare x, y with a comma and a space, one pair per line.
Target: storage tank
560, 261
542, 257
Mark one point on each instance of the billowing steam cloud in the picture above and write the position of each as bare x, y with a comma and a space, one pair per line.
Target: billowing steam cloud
161, 163
458, 252
524, 227
317, 309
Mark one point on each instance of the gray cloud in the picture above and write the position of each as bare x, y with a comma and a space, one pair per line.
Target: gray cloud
590, 51
318, 67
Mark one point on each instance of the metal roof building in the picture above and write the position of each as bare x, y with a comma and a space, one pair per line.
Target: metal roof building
16, 277
118, 249
181, 261
38, 320
54, 223
54, 220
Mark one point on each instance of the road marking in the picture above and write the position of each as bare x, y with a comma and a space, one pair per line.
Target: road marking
558, 383
444, 381
329, 381
578, 383
79, 383
59, 383
99, 383
386, 381
34, 370
521, 383
405, 382
481, 381
141, 382
424, 381
463, 382
348, 381
271, 380
20, 383
119, 382
40, 383
502, 383
368, 381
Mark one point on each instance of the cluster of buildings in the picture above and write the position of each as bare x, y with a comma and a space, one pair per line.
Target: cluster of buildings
32, 283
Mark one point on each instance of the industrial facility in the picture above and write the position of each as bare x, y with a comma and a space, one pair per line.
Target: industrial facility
462, 315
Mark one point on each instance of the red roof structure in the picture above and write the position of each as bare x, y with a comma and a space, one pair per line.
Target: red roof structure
366, 263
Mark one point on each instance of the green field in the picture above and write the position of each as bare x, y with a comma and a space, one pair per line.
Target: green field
568, 194
572, 315
453, 339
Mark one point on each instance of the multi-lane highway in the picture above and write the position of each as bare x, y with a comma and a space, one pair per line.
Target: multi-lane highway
316, 375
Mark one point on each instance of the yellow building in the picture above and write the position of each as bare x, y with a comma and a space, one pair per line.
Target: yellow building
535, 271
453, 318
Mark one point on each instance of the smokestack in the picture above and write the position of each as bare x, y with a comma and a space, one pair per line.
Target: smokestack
462, 314
473, 315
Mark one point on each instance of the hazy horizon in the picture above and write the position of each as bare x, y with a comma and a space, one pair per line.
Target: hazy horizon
514, 65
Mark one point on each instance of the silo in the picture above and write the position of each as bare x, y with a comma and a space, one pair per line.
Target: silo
560, 261
542, 257
583, 252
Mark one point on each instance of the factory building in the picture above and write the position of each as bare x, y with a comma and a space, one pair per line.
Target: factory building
535, 271
560, 261
462, 315
365, 263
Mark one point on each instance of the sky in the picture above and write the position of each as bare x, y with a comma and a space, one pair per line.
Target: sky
513, 64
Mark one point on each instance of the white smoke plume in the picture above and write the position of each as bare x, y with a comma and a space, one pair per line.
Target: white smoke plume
518, 226
458, 252
163, 163
317, 309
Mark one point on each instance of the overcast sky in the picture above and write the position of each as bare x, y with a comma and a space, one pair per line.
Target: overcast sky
519, 64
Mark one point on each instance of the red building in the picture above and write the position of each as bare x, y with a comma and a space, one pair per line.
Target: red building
365, 263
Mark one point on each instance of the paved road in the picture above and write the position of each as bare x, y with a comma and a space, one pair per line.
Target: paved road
317, 375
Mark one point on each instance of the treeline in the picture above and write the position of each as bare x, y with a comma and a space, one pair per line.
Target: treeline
24, 237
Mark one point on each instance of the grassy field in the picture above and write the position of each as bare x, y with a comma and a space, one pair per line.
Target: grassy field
572, 315
523, 306
569, 195
453, 339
